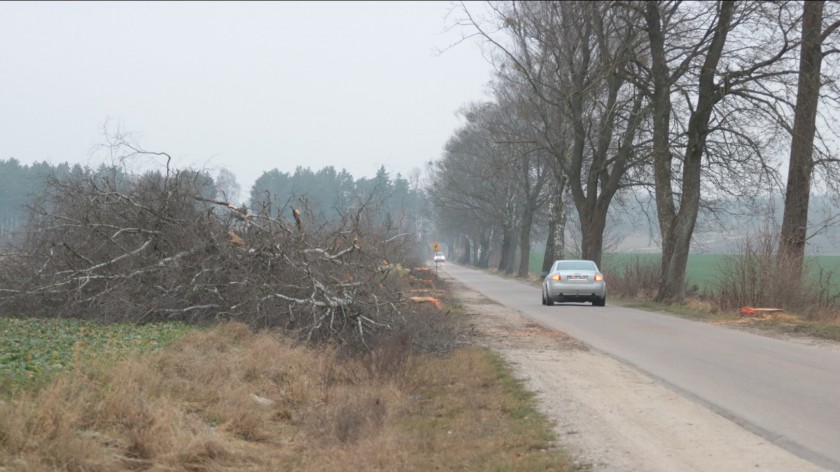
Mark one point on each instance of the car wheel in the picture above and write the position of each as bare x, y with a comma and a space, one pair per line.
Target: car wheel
599, 301
543, 296
548, 300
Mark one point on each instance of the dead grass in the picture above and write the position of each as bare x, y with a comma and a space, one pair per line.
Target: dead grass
637, 278
759, 276
227, 399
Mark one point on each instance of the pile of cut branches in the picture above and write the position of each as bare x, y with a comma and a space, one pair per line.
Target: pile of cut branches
161, 247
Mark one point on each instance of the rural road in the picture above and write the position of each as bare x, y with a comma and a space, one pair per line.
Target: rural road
786, 392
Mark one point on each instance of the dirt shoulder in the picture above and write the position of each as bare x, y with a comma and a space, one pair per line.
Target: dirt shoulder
610, 416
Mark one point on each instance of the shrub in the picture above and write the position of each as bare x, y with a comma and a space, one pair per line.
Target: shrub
638, 277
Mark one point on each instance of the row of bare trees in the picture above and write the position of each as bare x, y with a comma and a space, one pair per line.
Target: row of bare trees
597, 103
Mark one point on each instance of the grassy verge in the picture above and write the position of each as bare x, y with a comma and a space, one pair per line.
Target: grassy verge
473, 415
690, 310
229, 399
782, 324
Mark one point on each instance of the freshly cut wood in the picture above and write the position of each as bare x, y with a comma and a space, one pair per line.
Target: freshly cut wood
434, 301
747, 310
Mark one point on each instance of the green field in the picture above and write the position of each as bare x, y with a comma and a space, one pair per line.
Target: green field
31, 349
702, 269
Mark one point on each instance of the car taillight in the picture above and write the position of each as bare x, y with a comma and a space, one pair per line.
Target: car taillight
599, 277
555, 277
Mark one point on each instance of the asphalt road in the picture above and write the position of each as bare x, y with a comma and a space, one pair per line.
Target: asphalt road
787, 392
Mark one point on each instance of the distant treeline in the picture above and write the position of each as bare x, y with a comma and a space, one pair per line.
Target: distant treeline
19, 184
323, 196
328, 195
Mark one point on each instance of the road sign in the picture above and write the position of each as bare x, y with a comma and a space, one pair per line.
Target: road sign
436, 247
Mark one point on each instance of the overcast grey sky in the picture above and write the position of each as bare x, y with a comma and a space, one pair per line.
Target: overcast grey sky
246, 86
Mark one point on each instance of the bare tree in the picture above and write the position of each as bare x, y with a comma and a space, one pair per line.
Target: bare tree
227, 186
688, 48
677, 227
801, 165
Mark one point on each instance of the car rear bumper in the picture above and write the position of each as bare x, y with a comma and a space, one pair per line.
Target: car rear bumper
576, 291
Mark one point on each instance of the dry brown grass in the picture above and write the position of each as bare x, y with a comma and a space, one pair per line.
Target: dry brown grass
759, 276
638, 278
227, 399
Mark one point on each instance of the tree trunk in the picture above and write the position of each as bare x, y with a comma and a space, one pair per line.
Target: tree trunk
474, 254
525, 242
592, 236
511, 263
555, 245
680, 244
661, 118
483, 259
800, 168
550, 248
560, 233
505, 250
465, 258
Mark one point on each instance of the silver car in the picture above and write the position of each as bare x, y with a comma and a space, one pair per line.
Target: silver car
574, 281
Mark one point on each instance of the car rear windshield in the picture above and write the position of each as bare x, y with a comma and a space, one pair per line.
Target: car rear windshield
575, 265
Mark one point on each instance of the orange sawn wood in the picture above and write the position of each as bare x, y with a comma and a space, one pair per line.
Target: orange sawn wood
434, 301
748, 311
